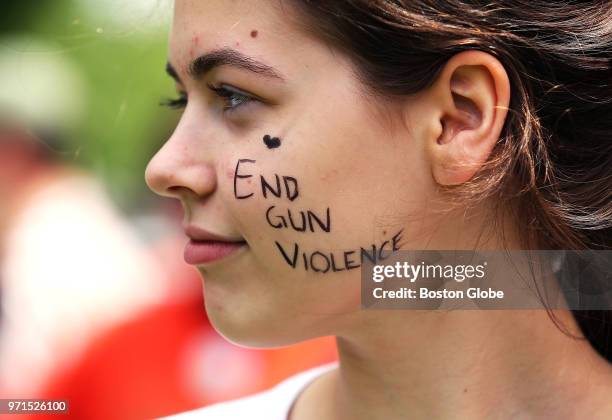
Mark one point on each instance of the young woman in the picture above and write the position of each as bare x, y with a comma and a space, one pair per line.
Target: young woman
314, 128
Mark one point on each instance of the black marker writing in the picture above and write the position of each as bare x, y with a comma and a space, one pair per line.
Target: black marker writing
290, 183
301, 222
271, 142
237, 175
322, 262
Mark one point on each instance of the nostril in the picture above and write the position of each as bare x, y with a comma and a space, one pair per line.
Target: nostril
178, 191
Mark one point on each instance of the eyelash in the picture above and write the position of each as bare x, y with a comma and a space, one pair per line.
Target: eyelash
177, 103
223, 92
228, 93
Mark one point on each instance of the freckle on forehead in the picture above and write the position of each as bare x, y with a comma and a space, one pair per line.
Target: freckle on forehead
254, 33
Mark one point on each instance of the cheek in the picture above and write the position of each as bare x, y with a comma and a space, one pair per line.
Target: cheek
305, 225
311, 222
322, 202
271, 203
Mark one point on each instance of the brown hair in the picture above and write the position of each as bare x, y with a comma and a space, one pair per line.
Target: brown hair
553, 162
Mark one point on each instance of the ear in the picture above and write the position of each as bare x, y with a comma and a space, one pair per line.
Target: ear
471, 97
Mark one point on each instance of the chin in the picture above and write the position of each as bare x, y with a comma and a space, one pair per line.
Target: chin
244, 323
243, 330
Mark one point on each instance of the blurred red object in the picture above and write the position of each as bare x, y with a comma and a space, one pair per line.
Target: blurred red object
170, 359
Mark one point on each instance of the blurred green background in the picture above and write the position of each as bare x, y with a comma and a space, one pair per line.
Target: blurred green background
119, 49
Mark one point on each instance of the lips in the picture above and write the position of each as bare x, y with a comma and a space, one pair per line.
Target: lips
205, 247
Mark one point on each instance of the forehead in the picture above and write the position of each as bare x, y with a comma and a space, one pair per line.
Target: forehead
257, 27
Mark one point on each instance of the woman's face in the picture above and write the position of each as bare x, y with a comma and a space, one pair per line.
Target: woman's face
280, 146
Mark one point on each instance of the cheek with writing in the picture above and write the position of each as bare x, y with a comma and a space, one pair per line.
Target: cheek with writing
285, 188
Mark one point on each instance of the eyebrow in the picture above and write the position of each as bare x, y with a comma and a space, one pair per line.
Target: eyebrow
205, 63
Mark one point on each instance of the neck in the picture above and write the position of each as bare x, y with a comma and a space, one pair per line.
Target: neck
464, 364
472, 364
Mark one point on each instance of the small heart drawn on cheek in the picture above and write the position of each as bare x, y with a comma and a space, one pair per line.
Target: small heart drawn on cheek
271, 142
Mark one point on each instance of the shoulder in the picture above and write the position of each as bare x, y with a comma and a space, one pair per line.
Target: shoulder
272, 404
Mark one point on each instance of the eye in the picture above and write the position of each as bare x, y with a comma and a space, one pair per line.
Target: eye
232, 97
175, 103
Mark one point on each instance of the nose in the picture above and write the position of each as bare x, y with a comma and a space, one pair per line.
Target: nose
180, 170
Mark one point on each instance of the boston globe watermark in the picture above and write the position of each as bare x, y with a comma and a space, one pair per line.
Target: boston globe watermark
458, 279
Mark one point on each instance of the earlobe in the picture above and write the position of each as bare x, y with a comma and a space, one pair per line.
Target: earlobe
473, 94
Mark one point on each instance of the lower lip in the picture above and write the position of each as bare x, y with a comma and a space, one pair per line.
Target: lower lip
202, 252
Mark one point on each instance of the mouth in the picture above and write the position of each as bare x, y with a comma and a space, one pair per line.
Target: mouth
205, 248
